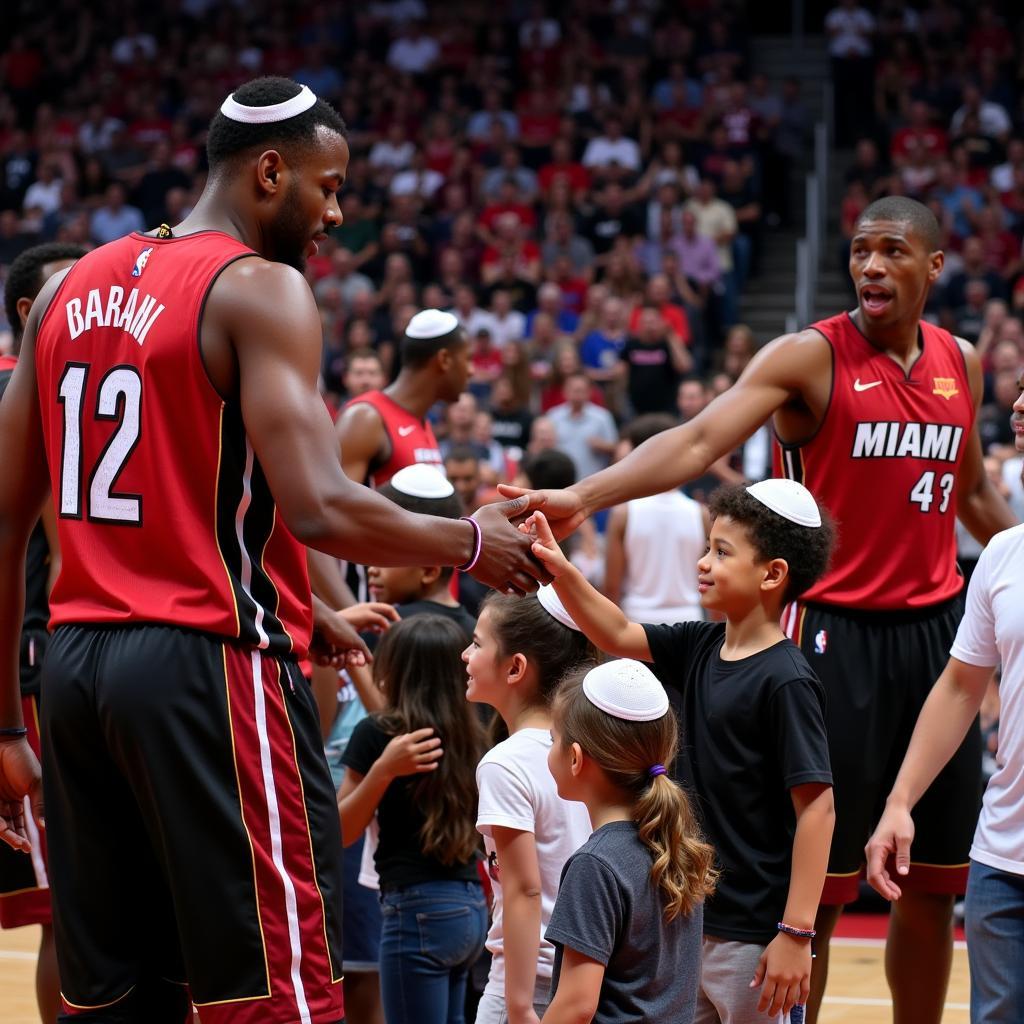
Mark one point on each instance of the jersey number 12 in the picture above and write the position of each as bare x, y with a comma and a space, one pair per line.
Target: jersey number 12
119, 399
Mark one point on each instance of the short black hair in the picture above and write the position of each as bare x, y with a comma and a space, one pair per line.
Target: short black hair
25, 277
462, 453
549, 469
904, 210
643, 428
417, 352
806, 549
228, 139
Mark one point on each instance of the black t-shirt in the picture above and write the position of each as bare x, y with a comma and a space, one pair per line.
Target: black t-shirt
652, 377
34, 635
399, 859
604, 228
462, 618
511, 429
750, 731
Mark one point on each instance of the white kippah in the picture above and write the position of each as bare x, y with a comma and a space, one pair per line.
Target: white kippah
422, 481
431, 323
299, 104
626, 689
552, 604
788, 499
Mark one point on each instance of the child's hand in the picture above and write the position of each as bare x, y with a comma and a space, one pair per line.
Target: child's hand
785, 970
412, 753
545, 547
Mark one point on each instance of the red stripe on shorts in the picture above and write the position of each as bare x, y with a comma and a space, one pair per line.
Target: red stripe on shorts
300, 986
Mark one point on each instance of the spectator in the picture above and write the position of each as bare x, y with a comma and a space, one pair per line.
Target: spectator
345, 278
479, 126
959, 201
993, 120
584, 431
655, 357
717, 219
160, 177
602, 348
511, 168
562, 168
508, 325
115, 218
562, 242
615, 218
462, 467
850, 28
611, 149
549, 301
511, 420
413, 52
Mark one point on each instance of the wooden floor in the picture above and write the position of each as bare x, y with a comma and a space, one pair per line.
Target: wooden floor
857, 992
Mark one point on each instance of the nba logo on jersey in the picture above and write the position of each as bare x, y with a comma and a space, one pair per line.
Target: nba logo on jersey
140, 262
820, 642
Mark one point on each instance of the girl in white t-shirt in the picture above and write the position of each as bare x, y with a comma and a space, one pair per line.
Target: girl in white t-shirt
521, 650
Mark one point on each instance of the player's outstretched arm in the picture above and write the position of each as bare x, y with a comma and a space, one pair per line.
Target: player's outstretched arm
780, 371
979, 506
268, 313
24, 487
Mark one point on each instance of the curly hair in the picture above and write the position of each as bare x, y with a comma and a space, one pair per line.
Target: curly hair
25, 277
228, 139
805, 549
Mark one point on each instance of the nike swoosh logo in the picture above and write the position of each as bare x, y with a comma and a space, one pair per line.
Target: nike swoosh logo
406, 431
857, 386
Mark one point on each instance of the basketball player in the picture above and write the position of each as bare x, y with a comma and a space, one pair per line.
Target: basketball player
874, 411
24, 884
167, 395
381, 432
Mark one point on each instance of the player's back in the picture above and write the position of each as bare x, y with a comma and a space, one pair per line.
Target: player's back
164, 513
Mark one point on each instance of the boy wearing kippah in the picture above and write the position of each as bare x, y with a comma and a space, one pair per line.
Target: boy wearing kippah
753, 749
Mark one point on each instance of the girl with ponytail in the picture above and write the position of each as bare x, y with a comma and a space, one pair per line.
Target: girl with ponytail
628, 920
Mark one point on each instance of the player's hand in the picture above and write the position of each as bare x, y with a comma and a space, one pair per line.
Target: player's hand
336, 643
370, 616
563, 508
19, 777
507, 562
545, 547
892, 837
412, 753
784, 974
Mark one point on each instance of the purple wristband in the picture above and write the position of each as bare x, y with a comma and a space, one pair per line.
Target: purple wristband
797, 933
478, 544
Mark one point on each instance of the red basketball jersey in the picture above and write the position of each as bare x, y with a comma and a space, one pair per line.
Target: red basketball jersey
412, 439
885, 462
164, 513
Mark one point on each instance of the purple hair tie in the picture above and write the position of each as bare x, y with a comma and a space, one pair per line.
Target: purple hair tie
655, 770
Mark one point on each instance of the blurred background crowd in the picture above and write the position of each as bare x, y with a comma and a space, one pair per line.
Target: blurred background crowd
587, 185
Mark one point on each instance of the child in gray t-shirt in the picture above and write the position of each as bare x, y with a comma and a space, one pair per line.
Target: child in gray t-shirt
627, 922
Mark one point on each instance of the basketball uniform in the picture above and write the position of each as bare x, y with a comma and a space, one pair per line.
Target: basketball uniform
877, 628
193, 827
410, 440
24, 880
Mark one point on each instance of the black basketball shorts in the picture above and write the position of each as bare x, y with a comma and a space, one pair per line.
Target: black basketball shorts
877, 669
195, 847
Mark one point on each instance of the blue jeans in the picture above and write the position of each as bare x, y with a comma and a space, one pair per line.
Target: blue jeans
995, 944
432, 934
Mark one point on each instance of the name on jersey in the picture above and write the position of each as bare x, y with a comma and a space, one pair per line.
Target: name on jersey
899, 440
131, 314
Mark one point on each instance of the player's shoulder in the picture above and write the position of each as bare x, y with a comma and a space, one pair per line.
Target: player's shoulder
361, 413
796, 356
263, 287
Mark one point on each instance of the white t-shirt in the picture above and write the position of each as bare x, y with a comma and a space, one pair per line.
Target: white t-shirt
992, 633
517, 791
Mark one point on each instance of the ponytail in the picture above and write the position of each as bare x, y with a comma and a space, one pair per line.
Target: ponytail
626, 751
683, 863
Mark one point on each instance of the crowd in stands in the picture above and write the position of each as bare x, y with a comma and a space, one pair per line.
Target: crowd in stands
585, 184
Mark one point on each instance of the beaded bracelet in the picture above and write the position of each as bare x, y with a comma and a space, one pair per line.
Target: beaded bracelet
797, 933
14, 732
478, 544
